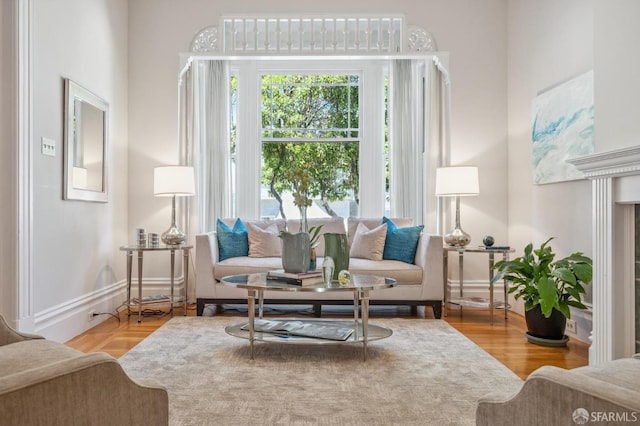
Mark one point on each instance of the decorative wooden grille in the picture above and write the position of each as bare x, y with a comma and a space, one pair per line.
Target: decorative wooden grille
313, 35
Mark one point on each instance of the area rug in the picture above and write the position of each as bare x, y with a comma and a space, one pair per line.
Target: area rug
426, 373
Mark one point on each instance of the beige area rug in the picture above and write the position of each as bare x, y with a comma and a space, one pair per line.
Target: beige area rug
426, 373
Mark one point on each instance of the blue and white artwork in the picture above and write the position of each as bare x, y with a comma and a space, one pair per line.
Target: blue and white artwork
562, 129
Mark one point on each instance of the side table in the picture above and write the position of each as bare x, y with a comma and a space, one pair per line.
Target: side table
467, 302
140, 250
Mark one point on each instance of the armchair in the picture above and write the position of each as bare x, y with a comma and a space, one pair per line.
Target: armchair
45, 382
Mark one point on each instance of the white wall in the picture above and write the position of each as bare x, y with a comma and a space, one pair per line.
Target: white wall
75, 243
473, 32
549, 42
617, 87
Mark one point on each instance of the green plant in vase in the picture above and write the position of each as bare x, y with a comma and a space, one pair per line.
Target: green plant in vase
314, 240
548, 288
301, 181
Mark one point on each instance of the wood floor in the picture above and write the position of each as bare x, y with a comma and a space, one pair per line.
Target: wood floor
504, 340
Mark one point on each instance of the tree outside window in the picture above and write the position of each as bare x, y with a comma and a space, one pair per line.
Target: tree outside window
310, 129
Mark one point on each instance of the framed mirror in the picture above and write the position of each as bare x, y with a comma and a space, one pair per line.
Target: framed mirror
86, 123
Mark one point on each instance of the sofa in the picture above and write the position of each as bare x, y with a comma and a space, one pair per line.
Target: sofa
606, 394
43, 382
419, 283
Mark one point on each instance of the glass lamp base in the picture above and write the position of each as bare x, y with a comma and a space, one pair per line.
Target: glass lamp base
173, 236
457, 238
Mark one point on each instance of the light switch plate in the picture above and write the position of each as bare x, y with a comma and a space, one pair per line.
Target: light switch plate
48, 147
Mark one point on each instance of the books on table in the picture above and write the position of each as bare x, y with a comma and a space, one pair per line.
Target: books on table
301, 279
302, 328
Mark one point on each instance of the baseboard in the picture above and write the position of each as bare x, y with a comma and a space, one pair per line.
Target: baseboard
475, 288
584, 325
71, 318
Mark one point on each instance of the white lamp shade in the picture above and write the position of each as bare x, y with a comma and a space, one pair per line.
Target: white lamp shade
457, 180
173, 180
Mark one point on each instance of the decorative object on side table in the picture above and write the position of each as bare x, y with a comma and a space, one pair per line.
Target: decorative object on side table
173, 181
336, 246
154, 240
548, 288
488, 241
141, 237
458, 181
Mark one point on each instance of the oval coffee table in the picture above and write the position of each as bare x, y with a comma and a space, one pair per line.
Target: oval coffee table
360, 286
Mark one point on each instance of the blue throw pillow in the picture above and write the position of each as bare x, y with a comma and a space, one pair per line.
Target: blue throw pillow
401, 243
232, 242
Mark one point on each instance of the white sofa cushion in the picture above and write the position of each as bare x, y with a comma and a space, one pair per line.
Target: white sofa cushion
246, 265
403, 273
368, 243
264, 242
352, 224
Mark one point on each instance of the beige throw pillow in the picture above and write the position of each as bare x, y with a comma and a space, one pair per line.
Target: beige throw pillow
367, 243
264, 242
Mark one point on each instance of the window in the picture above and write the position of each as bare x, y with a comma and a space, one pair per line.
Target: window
310, 127
326, 119
387, 179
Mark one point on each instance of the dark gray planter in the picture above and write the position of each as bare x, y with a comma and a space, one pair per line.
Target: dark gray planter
295, 252
545, 328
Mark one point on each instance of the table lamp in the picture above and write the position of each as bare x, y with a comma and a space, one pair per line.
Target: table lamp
173, 181
458, 181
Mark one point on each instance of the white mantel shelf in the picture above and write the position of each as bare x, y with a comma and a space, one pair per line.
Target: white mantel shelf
613, 332
621, 162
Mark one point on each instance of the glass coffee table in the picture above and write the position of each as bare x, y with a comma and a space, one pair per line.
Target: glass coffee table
361, 330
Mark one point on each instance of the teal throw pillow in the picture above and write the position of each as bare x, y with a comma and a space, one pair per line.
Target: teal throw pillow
232, 242
401, 243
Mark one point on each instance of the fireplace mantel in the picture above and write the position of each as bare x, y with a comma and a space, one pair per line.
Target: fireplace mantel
621, 162
613, 199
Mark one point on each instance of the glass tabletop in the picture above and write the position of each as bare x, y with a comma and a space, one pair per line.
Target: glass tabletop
480, 249
161, 247
260, 282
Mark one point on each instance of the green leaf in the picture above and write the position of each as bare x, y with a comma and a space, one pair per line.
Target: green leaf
314, 235
584, 272
576, 304
564, 274
564, 309
548, 295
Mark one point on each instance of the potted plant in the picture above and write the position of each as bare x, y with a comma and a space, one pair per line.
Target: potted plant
314, 240
549, 288
301, 199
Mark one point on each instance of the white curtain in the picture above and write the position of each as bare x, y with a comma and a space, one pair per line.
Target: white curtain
437, 119
418, 137
206, 139
406, 138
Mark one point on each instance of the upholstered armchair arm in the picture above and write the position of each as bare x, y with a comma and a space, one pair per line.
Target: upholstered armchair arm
9, 335
83, 390
429, 258
550, 395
